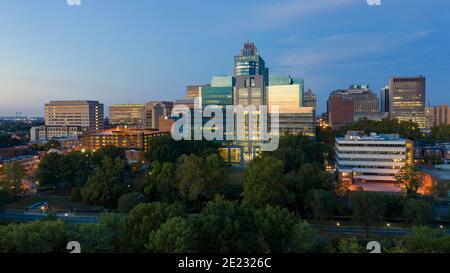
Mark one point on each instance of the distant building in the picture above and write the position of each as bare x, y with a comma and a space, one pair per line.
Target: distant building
251, 79
222, 81
129, 139
88, 115
340, 111
193, 91
156, 109
438, 115
384, 100
165, 124
29, 163
407, 100
377, 116
46, 133
287, 93
345, 104
131, 115
309, 99
371, 162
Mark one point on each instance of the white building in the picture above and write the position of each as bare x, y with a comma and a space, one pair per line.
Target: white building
371, 162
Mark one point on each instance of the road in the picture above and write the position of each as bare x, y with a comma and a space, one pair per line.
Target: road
28, 217
377, 231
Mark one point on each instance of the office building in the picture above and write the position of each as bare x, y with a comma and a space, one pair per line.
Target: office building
251, 77
88, 115
364, 103
46, 133
193, 91
371, 162
407, 100
220, 94
384, 100
124, 138
287, 93
309, 99
156, 109
130, 115
340, 111
223, 81
438, 115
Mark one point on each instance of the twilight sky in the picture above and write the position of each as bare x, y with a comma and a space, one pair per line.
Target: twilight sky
120, 51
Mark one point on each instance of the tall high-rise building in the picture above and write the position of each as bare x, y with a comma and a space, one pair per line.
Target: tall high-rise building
131, 115
88, 115
156, 109
309, 99
251, 78
407, 99
384, 100
438, 115
221, 97
286, 93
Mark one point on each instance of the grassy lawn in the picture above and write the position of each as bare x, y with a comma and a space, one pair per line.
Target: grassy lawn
56, 202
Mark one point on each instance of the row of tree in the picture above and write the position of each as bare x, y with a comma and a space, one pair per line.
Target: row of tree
221, 227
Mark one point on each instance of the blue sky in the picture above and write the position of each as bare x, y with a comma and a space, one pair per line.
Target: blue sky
120, 51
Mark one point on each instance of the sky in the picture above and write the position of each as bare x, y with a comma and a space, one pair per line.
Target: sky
135, 51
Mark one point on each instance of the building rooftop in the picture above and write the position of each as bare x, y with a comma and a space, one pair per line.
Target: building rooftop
360, 136
124, 131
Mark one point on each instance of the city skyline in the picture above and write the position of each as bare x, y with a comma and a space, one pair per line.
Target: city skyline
141, 52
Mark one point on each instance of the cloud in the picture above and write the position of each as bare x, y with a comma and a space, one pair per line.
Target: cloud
347, 48
280, 13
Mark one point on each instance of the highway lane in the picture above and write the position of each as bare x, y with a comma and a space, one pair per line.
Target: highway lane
28, 217
380, 231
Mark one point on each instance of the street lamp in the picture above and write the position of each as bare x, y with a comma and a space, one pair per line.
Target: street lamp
388, 226
338, 224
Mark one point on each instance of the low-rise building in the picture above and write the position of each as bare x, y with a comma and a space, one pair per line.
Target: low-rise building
371, 162
136, 139
29, 163
47, 133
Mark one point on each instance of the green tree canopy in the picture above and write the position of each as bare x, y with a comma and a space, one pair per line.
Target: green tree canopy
418, 212
200, 179
368, 208
166, 149
227, 227
320, 204
128, 201
174, 236
264, 183
283, 232
410, 178
105, 185
34, 237
144, 219
13, 175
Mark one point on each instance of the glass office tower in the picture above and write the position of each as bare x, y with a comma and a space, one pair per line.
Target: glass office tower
407, 100
287, 93
251, 78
